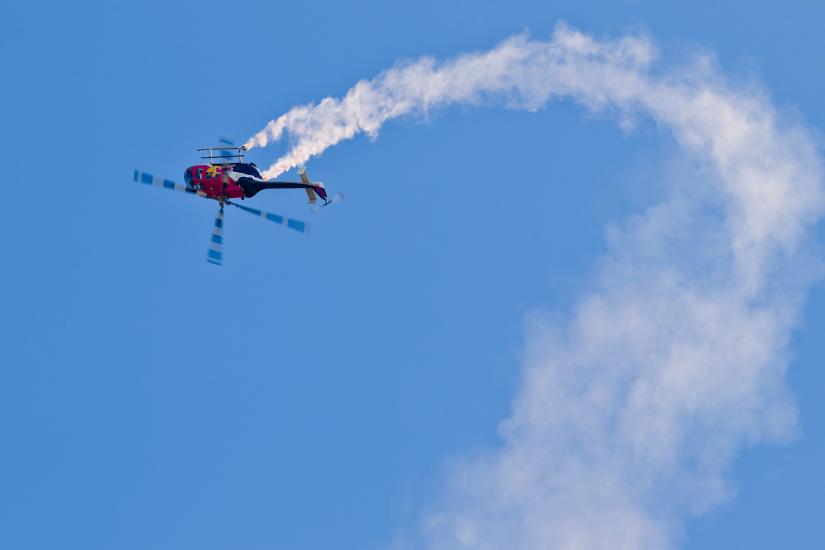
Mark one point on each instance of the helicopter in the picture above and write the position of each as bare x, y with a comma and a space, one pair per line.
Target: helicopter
228, 176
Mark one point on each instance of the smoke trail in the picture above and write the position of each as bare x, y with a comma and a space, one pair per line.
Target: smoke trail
523, 73
631, 410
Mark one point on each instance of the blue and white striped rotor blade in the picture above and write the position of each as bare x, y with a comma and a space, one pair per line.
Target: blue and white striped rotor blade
215, 253
228, 142
155, 181
297, 225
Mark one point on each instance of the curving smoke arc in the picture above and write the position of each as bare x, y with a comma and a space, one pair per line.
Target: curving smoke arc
634, 404
518, 72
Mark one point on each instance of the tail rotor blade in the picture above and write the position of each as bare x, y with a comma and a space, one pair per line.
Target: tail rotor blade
336, 198
215, 253
297, 225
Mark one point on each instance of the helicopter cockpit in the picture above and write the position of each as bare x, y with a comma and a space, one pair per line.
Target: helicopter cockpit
248, 168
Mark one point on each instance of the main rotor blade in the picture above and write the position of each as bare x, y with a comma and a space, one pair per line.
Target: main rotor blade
215, 253
230, 151
155, 181
297, 225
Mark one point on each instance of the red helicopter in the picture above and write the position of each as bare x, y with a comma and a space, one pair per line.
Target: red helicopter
231, 177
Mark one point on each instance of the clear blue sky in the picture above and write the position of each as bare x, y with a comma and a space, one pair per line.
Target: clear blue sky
307, 393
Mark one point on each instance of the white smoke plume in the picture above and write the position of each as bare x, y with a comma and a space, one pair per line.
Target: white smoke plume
632, 406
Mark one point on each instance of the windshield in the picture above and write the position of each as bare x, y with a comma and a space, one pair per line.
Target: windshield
248, 169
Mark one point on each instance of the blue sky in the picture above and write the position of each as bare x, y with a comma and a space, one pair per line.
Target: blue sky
309, 393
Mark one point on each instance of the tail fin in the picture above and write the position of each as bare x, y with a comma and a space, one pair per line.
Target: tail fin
316, 187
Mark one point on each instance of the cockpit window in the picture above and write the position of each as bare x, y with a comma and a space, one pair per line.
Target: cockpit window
248, 169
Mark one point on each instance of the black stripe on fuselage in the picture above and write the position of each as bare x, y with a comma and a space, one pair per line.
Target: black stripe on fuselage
252, 187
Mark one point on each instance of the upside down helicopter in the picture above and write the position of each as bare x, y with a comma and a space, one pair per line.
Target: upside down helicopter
229, 176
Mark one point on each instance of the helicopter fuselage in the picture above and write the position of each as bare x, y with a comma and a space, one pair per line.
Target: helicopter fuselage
214, 181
